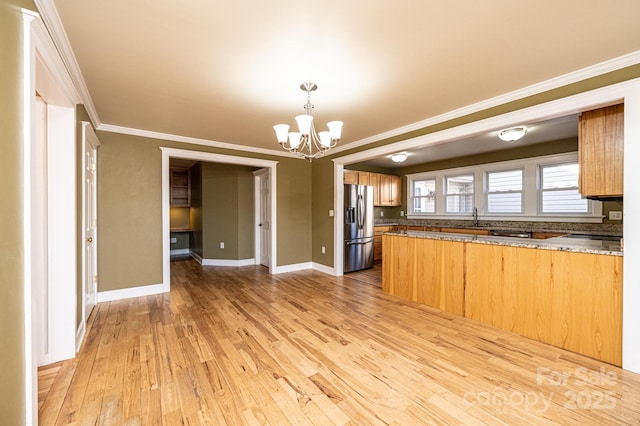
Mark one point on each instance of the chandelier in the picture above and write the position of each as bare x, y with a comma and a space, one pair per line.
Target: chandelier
306, 143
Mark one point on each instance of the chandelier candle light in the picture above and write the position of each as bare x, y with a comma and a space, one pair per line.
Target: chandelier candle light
306, 142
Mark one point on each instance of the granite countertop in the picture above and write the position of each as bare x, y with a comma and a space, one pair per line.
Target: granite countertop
565, 243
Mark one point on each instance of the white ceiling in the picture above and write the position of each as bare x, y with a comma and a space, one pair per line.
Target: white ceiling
543, 131
227, 71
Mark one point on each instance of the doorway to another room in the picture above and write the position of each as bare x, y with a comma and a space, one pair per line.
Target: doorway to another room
214, 210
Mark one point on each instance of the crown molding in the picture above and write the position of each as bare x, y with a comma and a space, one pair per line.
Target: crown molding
534, 89
51, 19
195, 141
49, 14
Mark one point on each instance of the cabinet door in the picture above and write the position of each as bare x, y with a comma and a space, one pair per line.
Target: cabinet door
363, 178
350, 177
396, 191
385, 190
374, 180
601, 150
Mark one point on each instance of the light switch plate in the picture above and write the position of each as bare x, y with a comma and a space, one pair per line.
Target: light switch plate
615, 215
331, 213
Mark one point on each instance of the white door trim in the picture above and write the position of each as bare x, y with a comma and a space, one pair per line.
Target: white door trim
168, 153
61, 95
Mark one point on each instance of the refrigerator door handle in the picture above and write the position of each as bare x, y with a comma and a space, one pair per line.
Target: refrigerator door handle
360, 211
351, 243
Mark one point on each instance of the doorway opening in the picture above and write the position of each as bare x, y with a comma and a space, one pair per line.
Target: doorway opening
269, 168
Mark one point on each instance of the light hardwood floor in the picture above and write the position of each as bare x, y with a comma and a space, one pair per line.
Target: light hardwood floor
239, 346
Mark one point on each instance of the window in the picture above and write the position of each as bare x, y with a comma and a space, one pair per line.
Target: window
504, 191
423, 198
459, 194
541, 188
559, 190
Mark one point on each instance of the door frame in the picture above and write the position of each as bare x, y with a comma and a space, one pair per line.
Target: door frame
45, 72
210, 157
259, 175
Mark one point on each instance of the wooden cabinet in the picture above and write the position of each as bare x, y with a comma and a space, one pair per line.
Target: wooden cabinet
390, 190
351, 177
180, 187
601, 151
566, 299
425, 271
569, 300
374, 180
387, 189
377, 240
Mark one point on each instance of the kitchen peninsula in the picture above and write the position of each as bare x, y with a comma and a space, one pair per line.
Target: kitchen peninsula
563, 291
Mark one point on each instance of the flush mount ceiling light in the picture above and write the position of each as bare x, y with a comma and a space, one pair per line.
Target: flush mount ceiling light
306, 142
399, 157
512, 134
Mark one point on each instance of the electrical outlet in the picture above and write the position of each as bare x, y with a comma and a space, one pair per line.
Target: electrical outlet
174, 240
615, 215
331, 213
401, 213
381, 214
324, 251
221, 244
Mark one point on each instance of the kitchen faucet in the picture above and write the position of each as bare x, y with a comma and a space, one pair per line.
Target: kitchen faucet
475, 216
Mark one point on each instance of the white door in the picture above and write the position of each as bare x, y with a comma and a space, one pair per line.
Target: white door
264, 220
90, 218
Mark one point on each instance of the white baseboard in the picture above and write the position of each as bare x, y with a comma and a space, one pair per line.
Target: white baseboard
80, 332
324, 268
179, 251
292, 268
222, 262
227, 262
127, 293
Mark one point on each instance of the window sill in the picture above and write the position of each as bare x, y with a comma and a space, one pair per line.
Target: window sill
519, 218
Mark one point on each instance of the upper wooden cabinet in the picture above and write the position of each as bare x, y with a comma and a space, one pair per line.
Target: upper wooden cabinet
390, 190
351, 177
180, 187
387, 189
601, 151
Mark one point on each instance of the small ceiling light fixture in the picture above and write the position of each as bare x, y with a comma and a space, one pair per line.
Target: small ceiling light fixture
512, 134
306, 143
399, 157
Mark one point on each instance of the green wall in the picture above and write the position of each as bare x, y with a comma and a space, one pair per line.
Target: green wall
227, 211
130, 209
12, 402
12, 244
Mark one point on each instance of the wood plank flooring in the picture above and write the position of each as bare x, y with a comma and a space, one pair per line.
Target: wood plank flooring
239, 346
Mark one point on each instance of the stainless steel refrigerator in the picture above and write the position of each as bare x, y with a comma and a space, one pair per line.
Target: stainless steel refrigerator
358, 227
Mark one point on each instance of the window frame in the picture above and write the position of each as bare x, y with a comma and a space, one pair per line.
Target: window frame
447, 194
531, 192
541, 190
412, 197
487, 193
